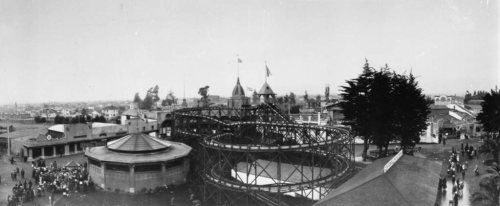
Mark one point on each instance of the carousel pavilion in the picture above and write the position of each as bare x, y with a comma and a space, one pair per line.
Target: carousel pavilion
138, 161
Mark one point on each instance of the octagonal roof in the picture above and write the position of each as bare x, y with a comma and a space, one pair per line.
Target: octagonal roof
137, 143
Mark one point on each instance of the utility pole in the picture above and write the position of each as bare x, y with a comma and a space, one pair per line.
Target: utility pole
8, 139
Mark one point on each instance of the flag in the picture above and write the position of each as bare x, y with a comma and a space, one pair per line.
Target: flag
239, 60
268, 72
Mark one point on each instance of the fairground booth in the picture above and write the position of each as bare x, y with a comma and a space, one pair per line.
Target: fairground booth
138, 161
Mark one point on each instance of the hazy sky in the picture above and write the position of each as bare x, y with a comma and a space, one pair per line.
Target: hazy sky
72, 50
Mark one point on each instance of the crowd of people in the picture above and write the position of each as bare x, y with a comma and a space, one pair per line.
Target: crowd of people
48, 180
457, 167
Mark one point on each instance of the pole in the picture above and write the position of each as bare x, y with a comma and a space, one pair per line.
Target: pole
8, 139
265, 71
238, 61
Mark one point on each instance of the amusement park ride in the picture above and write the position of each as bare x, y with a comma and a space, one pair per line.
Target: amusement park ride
257, 156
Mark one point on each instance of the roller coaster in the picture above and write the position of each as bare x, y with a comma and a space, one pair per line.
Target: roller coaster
258, 156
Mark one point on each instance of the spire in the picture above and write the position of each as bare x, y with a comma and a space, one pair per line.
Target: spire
238, 89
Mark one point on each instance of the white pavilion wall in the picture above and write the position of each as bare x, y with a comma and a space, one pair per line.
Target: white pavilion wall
148, 180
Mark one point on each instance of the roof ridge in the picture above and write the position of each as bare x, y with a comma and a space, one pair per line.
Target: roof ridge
147, 142
119, 142
159, 141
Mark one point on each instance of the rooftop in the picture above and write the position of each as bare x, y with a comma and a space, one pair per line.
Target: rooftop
238, 89
406, 180
175, 150
266, 90
137, 143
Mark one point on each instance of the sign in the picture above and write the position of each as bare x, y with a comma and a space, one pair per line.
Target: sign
393, 160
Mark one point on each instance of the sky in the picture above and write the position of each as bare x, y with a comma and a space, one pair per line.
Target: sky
73, 50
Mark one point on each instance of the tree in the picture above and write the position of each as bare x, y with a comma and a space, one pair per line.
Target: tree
490, 146
327, 93
280, 100
382, 106
318, 101
203, 92
153, 93
490, 113
137, 99
295, 109
84, 112
147, 103
99, 119
39, 119
306, 98
355, 105
59, 119
411, 111
169, 100
292, 98
150, 100
489, 189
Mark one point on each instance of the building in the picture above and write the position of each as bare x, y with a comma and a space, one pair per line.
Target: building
65, 112
139, 121
431, 133
315, 118
444, 100
454, 121
110, 113
475, 105
66, 139
138, 162
399, 180
238, 98
266, 94
335, 115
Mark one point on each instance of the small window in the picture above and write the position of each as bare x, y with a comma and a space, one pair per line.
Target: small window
148, 168
143, 128
175, 163
117, 167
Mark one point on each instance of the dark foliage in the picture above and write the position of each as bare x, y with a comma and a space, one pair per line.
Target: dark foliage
382, 106
490, 112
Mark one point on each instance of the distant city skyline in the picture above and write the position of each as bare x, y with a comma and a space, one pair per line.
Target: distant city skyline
70, 51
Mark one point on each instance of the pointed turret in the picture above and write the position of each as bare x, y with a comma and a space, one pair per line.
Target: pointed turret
266, 92
238, 98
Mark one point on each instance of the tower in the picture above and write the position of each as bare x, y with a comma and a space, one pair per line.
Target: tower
238, 98
268, 94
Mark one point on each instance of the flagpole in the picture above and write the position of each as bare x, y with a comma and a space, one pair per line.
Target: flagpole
265, 74
238, 65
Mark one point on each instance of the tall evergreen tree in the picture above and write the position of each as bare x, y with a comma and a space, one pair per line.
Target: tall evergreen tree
137, 98
355, 105
147, 103
411, 112
292, 98
490, 113
382, 106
